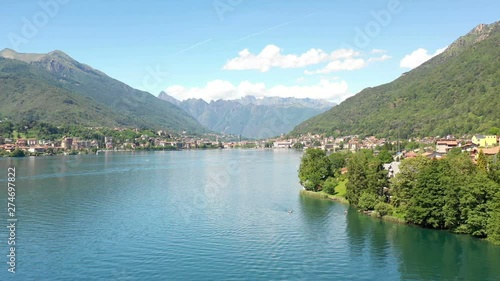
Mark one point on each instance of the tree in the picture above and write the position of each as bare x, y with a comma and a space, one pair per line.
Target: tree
475, 198
365, 174
314, 169
377, 177
329, 185
494, 131
337, 161
493, 228
341, 145
384, 209
405, 181
454, 151
367, 201
385, 156
6, 128
482, 163
494, 171
357, 178
425, 206
17, 153
298, 145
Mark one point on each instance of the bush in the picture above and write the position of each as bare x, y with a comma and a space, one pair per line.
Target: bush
384, 209
367, 201
298, 145
17, 153
329, 185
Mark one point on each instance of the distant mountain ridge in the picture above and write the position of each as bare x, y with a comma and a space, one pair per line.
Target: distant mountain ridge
456, 92
250, 116
58, 81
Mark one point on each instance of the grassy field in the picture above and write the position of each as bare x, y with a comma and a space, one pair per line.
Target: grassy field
341, 189
339, 196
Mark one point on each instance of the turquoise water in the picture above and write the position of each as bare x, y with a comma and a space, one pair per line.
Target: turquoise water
210, 215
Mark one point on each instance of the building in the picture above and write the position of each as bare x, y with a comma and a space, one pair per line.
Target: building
77, 145
433, 155
8, 147
469, 146
487, 151
109, 142
411, 154
67, 143
21, 143
443, 146
484, 141
282, 144
38, 149
32, 142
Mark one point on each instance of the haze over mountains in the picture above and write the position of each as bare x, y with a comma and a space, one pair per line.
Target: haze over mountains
57, 89
250, 116
455, 92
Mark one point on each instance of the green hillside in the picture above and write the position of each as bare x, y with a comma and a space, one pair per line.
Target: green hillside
456, 92
57, 89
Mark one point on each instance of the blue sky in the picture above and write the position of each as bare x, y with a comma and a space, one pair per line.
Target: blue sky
229, 48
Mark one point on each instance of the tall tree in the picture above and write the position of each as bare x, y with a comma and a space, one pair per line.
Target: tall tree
357, 177
475, 198
405, 181
365, 175
425, 206
482, 163
314, 169
385, 156
337, 161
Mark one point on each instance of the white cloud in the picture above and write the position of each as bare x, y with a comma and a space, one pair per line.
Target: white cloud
418, 57
379, 59
378, 51
272, 56
348, 64
219, 89
344, 54
338, 65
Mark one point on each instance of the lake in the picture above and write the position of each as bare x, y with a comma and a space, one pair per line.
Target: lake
210, 215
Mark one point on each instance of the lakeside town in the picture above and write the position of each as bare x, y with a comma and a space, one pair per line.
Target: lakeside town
120, 140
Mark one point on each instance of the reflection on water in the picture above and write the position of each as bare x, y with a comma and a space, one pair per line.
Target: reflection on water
423, 254
213, 215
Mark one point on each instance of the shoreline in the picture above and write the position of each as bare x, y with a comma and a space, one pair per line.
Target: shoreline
374, 214
136, 150
340, 199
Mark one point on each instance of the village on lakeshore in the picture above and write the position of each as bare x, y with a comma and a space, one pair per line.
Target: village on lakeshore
432, 147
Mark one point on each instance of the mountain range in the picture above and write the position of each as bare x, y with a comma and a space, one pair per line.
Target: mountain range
57, 89
456, 92
249, 116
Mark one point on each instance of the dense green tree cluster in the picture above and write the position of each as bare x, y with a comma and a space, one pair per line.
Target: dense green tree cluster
366, 180
451, 193
321, 172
